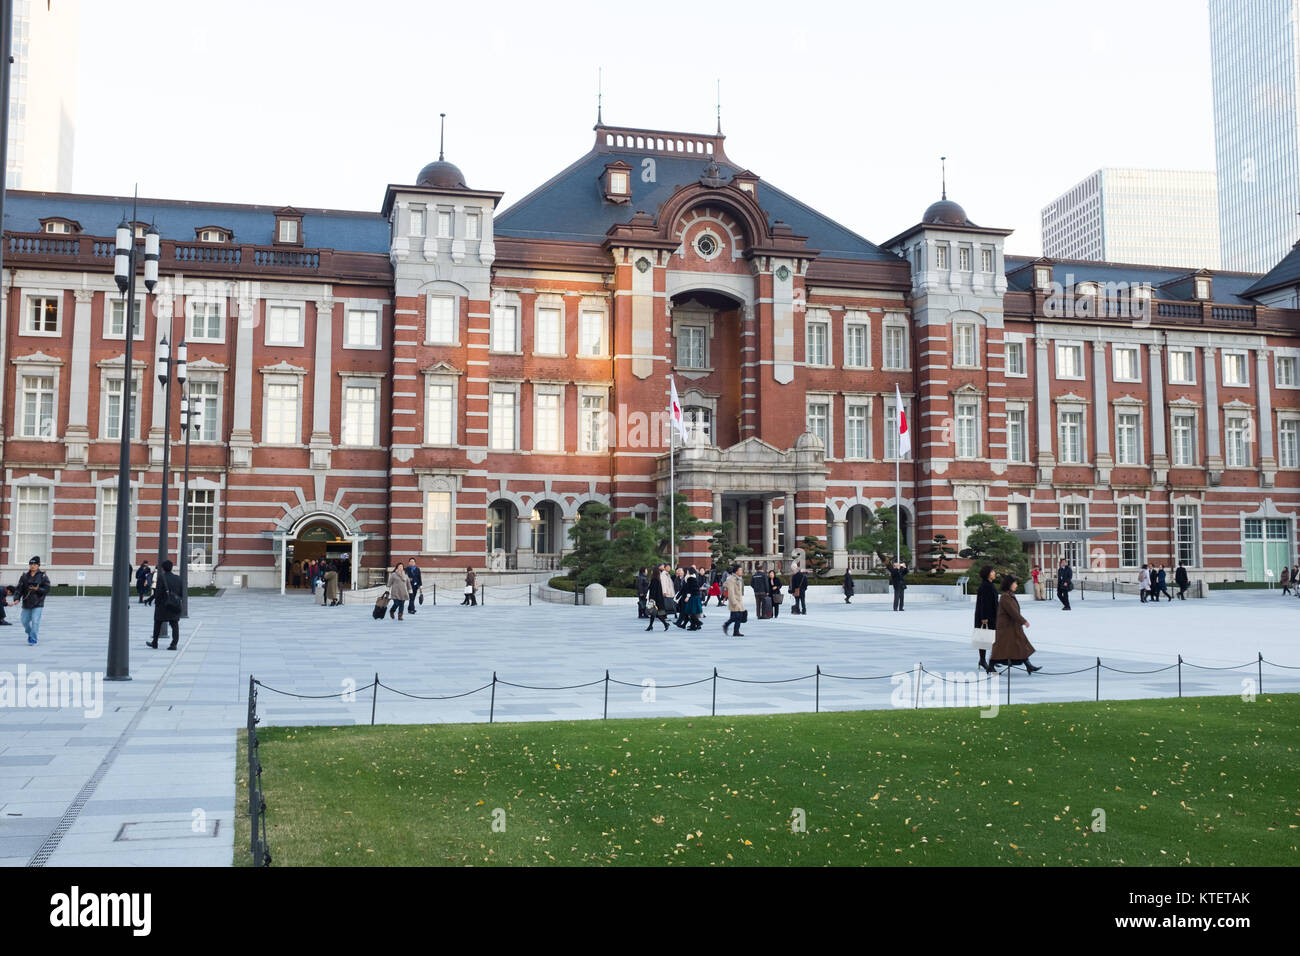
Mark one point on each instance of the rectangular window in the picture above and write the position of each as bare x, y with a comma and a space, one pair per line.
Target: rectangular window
281, 425
819, 416
1015, 358
1126, 439
288, 230
440, 428
855, 431
818, 337
38, 406
32, 535
1130, 535
503, 421
591, 333
1182, 371
593, 423
505, 329
1126, 365
283, 325
1285, 371
1069, 361
690, 346
1072, 519
361, 329
206, 396
107, 524
437, 521
1288, 443
546, 421
442, 320
1237, 456
205, 321
895, 347
967, 433
963, 345
444, 224
1017, 516
855, 345
548, 332
202, 523
941, 256
42, 316
699, 424
1184, 433
1234, 368
1186, 534
1071, 438
113, 409
360, 409
963, 259
417, 222
471, 225
891, 430
986, 260
965, 509
1016, 450
117, 319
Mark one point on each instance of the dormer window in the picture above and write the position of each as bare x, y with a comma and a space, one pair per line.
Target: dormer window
1203, 288
618, 182
288, 227
60, 227
213, 234
1042, 277
1086, 288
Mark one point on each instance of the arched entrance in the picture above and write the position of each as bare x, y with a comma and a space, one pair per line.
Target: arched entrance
318, 539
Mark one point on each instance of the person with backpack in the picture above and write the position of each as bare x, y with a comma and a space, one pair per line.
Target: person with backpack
31, 591
167, 606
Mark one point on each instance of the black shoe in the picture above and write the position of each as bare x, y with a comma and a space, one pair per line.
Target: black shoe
651, 627
737, 634
989, 668
171, 647
1030, 668
6, 623
153, 644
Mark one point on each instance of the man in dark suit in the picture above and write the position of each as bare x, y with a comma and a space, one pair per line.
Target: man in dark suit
1064, 582
642, 592
167, 606
898, 581
799, 588
415, 581
759, 583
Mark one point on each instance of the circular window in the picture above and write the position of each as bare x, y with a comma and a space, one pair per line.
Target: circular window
707, 245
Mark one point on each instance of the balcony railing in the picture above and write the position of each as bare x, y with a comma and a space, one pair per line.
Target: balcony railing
97, 252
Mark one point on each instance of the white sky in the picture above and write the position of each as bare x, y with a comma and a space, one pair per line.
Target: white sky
847, 106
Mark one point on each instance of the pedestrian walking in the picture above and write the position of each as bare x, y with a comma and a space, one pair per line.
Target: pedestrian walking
33, 585
470, 598
1040, 593
734, 588
331, 585
847, 586
143, 581
692, 589
1286, 580
898, 581
1144, 583
798, 590
415, 582
762, 599
986, 616
1295, 579
399, 586
1180, 578
167, 606
774, 586
1064, 584
642, 593
1162, 585
661, 596
1011, 646
679, 597
7, 599
715, 587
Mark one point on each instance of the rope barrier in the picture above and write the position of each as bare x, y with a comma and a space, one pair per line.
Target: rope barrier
313, 696
1290, 667
1107, 667
436, 697
1202, 667
702, 680
788, 680
565, 687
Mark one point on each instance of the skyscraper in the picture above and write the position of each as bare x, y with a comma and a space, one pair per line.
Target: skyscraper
1159, 217
43, 95
1255, 58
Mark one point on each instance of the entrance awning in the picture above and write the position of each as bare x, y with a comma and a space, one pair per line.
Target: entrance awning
1045, 535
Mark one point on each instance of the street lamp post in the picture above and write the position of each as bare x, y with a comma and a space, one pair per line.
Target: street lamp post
191, 420
166, 364
119, 623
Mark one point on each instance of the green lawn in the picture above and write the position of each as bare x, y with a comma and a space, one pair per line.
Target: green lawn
1210, 781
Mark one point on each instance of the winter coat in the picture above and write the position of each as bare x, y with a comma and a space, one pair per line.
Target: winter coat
40, 585
1180, 576
799, 582
642, 585
1162, 579
413, 577
469, 579
1063, 578
1011, 643
759, 582
398, 586
691, 591
986, 605
734, 585
898, 577
848, 584
331, 585
169, 582
1144, 580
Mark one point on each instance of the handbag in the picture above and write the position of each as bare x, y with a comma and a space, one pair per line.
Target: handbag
744, 617
778, 597
469, 589
982, 638
669, 606
421, 595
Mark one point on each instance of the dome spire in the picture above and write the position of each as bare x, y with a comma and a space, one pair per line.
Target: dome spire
943, 176
442, 131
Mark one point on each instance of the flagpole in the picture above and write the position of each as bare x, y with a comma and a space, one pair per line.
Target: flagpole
672, 500
898, 510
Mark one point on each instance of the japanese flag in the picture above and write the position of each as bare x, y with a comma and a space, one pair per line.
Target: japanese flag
675, 409
904, 437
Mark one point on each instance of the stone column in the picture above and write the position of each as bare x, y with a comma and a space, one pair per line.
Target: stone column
767, 527
717, 507
524, 542
791, 534
566, 543
241, 434
1101, 414
322, 386
1264, 425
742, 522
1156, 422
1046, 460
77, 436
1213, 450
839, 545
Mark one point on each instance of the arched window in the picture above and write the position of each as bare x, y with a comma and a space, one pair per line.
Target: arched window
699, 424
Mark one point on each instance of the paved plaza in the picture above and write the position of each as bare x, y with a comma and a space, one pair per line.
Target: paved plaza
147, 775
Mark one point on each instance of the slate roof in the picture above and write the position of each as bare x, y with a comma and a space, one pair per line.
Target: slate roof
571, 206
1230, 288
1285, 273
178, 220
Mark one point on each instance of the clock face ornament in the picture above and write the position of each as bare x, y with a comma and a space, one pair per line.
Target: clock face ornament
783, 273
643, 264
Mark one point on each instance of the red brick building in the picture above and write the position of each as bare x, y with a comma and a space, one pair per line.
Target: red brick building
444, 380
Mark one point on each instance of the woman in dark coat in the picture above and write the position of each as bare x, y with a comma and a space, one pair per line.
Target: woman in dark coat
691, 591
986, 611
847, 585
1011, 646
774, 589
167, 605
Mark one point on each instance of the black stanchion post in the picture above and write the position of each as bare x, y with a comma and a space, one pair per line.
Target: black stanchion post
1260, 686
1180, 675
1112, 589
374, 699
482, 598
817, 706
492, 707
605, 715
530, 595
715, 692
435, 594
1098, 679
1009, 669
